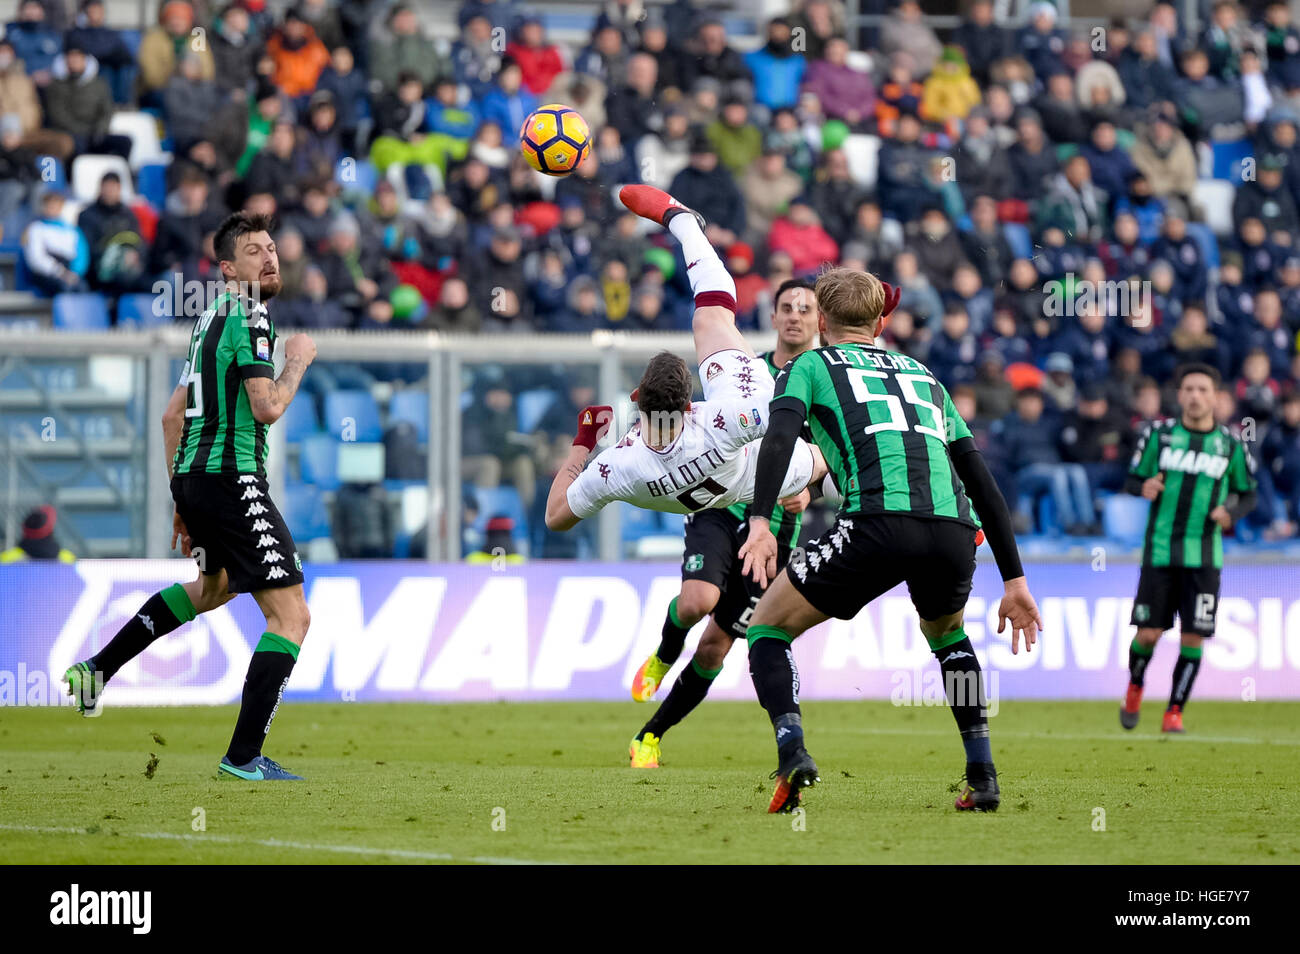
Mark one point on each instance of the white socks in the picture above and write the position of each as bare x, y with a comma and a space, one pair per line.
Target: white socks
706, 271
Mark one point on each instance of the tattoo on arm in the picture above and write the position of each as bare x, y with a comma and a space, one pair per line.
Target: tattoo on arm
269, 397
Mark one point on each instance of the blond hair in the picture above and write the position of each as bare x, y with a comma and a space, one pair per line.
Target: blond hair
849, 298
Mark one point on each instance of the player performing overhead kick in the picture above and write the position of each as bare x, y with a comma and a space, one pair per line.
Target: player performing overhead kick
683, 457
214, 431
712, 584
905, 462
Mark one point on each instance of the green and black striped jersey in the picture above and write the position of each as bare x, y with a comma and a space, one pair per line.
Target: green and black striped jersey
884, 425
785, 526
230, 343
1200, 468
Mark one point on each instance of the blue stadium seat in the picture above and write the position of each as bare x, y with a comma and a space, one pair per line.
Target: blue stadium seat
11, 230
356, 407
532, 406
638, 523
674, 523
305, 512
137, 311
1124, 518
1203, 235
151, 182
412, 406
318, 461
501, 501
300, 421
1022, 245
1228, 157
81, 312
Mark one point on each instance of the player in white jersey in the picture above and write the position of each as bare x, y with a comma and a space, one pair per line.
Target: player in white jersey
680, 456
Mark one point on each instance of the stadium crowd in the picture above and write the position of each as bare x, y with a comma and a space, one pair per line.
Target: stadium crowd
1019, 170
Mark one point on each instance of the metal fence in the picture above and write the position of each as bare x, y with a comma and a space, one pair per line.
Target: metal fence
81, 422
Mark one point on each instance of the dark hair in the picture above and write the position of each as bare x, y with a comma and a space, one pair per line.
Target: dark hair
665, 385
788, 284
1198, 367
234, 228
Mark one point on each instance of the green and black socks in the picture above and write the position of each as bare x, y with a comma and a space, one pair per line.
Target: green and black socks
1185, 670
776, 681
1139, 657
688, 692
673, 637
161, 613
963, 684
268, 674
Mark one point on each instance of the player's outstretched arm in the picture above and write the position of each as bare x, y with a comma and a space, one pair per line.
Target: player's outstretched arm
714, 323
593, 422
269, 397
173, 425
1017, 606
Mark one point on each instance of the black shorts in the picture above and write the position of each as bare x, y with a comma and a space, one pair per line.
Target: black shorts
713, 540
235, 527
1191, 591
865, 555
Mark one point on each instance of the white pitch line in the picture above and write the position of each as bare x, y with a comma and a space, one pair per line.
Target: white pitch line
277, 843
1068, 737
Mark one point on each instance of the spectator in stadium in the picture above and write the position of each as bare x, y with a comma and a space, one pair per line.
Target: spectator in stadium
400, 48
735, 137
1074, 205
1062, 116
112, 232
899, 95
985, 243
902, 184
273, 169
196, 109
455, 312
323, 17
446, 114
905, 30
843, 92
161, 48
968, 290
800, 235
991, 388
106, 46
298, 54
1256, 390
632, 107
1225, 39
711, 191
79, 104
1192, 342
604, 58
236, 48
1165, 157
1029, 442
1040, 41
1268, 334
937, 249
584, 311
660, 155
1147, 79
312, 307
835, 195
539, 60
982, 39
709, 57
508, 103
19, 167
496, 272
982, 166
1109, 164
954, 348
1281, 46
1032, 158
626, 16
880, 240
1098, 438
19, 99
917, 296
188, 218
777, 67
38, 541
55, 254
1260, 255
474, 57
820, 20
35, 42
1206, 101
493, 447
1058, 383
950, 92
357, 274
1280, 467
320, 145
1267, 198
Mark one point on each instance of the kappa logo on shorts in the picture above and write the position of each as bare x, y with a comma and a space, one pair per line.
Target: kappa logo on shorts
248, 478
266, 540
261, 526
712, 371
251, 493
277, 572
272, 556
798, 564
694, 562
255, 509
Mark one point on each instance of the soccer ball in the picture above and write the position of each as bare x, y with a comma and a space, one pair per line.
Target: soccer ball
555, 139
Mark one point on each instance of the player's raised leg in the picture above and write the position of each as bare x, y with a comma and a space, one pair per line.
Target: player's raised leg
695, 601
165, 611
688, 692
287, 619
714, 322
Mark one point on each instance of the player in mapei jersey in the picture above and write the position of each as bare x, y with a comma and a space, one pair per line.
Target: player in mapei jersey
680, 456
905, 462
1200, 479
214, 432
712, 584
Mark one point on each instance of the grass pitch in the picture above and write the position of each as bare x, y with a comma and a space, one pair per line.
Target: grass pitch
550, 783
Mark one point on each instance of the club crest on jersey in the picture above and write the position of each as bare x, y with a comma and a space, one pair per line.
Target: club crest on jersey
694, 563
586, 418
712, 371
1141, 612
263, 349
